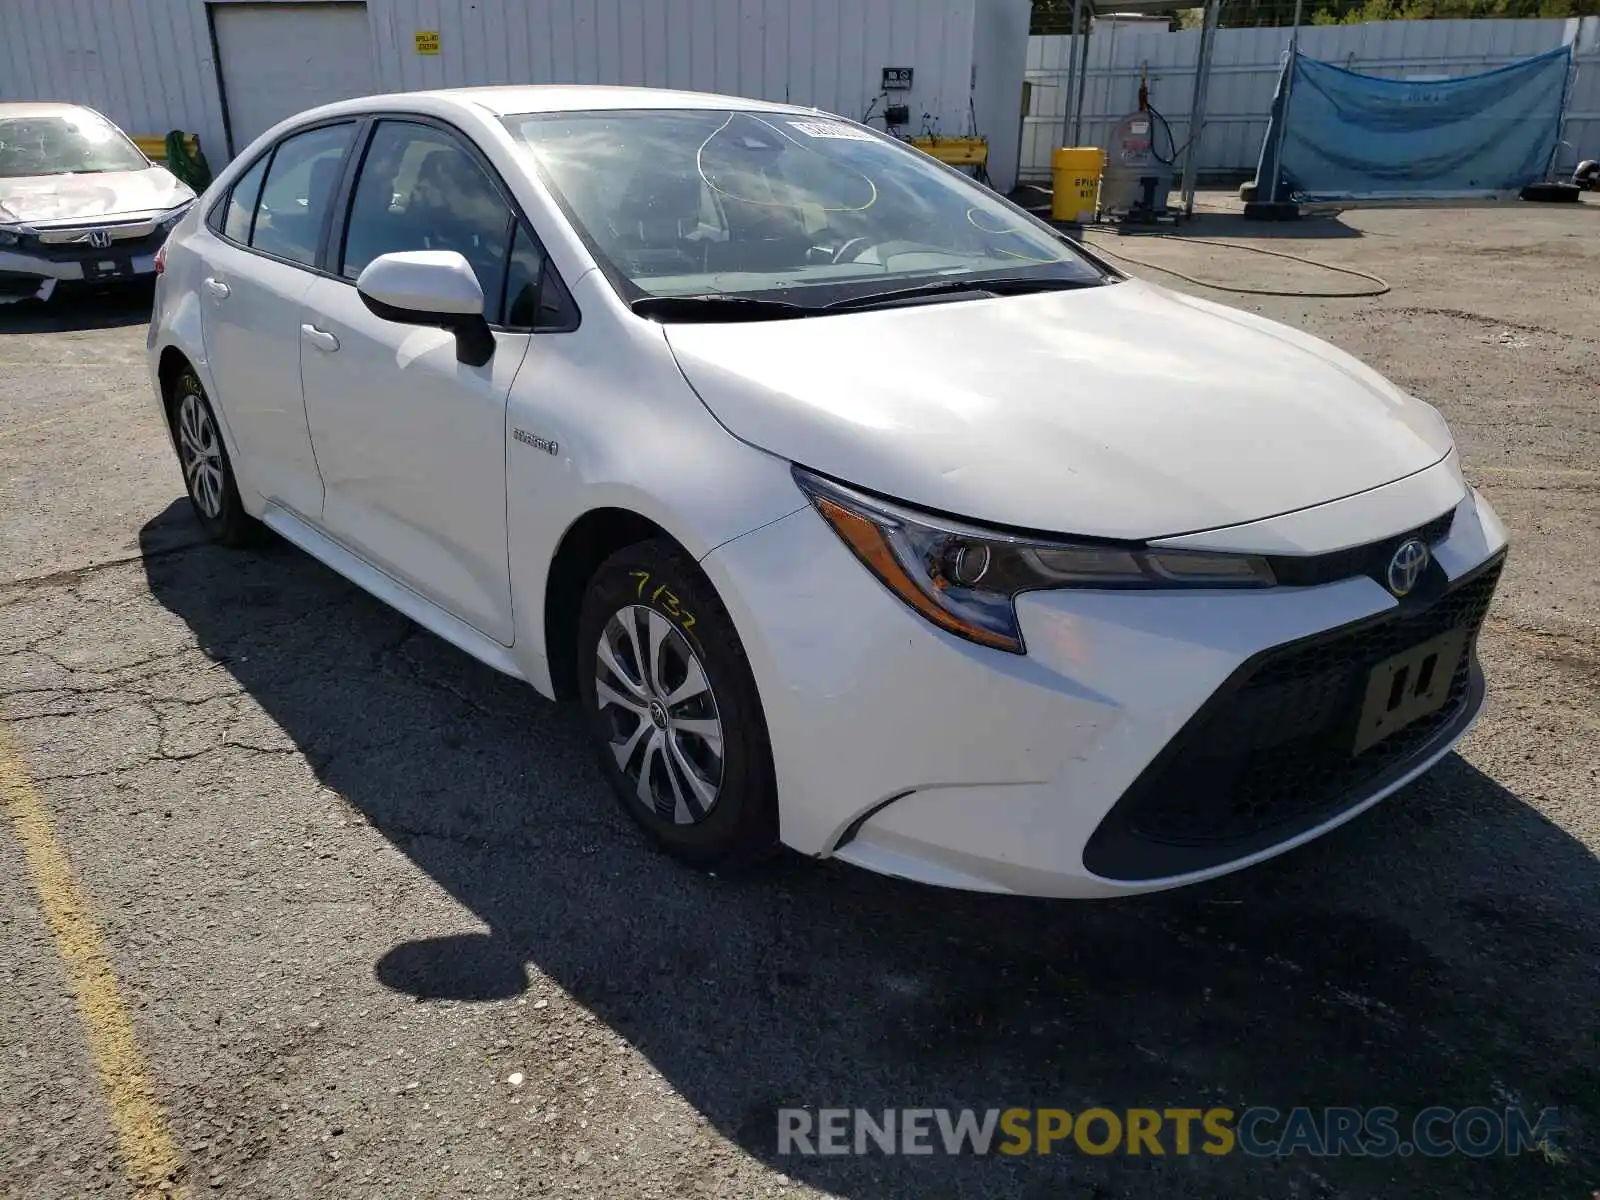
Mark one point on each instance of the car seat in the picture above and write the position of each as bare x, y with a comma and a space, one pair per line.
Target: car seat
654, 218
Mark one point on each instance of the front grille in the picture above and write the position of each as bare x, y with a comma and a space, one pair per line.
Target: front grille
1270, 754
118, 231
1371, 560
83, 252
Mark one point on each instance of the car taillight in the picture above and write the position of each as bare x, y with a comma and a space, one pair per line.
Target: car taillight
161, 258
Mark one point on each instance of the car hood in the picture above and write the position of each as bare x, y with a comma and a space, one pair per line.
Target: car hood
53, 199
1125, 411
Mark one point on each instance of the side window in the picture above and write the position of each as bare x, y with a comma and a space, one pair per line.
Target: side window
419, 189
536, 299
240, 207
298, 189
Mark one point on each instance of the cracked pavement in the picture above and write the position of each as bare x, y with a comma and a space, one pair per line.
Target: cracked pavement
383, 933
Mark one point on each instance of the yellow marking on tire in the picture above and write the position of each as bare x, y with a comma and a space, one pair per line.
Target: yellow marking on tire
145, 1144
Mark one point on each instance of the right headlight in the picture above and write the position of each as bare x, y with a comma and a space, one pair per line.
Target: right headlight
9, 237
171, 219
965, 579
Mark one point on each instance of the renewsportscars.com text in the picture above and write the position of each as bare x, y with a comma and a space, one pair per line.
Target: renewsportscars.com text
1260, 1131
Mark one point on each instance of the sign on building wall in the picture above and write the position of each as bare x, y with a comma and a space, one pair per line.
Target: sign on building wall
427, 41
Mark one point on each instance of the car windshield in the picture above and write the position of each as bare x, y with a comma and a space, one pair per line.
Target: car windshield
65, 143
801, 208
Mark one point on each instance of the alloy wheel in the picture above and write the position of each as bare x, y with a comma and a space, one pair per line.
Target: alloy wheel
200, 454
665, 730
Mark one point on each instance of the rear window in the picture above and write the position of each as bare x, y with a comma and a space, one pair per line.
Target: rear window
241, 206
298, 189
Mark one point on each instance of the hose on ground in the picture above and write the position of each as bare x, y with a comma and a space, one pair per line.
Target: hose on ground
1382, 285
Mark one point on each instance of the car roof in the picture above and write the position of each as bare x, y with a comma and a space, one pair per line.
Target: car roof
40, 108
502, 101
507, 101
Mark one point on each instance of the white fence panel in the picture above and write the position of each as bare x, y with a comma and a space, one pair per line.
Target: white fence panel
1245, 69
1581, 134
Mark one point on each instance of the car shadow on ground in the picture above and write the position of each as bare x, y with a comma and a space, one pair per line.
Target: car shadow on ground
1439, 950
75, 310
1313, 225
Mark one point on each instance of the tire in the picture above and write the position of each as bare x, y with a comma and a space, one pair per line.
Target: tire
709, 813
1552, 193
207, 470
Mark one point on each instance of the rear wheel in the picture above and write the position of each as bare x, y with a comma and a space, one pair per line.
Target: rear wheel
207, 472
673, 711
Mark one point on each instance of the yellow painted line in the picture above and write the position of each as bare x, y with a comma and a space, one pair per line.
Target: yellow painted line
144, 1142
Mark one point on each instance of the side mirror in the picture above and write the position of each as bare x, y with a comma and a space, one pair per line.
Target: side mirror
430, 287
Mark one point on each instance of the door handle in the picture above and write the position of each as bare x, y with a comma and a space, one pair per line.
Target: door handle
319, 338
217, 288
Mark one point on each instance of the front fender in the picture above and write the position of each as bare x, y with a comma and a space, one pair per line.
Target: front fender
601, 417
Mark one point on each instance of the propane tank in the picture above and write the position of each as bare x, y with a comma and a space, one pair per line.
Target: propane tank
1136, 182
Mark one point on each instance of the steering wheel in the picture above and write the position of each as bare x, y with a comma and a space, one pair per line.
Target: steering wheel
839, 254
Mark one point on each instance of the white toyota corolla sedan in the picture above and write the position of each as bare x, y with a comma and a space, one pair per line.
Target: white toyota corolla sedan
860, 510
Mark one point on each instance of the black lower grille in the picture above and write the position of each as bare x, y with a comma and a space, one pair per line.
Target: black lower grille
1271, 754
14, 283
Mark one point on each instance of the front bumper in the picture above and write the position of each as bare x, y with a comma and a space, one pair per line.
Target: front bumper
34, 271
1076, 770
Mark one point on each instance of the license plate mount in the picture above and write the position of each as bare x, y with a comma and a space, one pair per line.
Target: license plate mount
1407, 687
108, 268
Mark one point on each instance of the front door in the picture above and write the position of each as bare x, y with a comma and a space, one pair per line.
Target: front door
412, 443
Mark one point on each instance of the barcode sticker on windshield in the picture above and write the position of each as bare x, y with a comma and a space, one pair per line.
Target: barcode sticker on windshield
831, 129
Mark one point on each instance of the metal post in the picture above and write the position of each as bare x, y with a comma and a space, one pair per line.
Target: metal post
1083, 79
1288, 91
1561, 124
1072, 71
1197, 106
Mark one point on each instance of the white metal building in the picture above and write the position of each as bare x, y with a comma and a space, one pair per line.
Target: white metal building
228, 69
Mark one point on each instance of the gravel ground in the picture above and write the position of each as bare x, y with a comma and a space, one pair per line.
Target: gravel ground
382, 933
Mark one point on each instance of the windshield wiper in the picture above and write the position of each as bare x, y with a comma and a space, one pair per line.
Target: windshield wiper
1007, 286
718, 308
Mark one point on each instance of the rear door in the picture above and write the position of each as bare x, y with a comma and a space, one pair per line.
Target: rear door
258, 267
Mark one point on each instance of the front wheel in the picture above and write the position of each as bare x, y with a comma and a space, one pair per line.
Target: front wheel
673, 711
207, 473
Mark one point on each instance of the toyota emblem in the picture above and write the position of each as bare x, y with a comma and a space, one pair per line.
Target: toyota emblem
1406, 567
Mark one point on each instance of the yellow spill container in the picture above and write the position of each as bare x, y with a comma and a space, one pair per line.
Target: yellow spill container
1075, 177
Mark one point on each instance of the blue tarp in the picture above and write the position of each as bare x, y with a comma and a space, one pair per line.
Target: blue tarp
1353, 136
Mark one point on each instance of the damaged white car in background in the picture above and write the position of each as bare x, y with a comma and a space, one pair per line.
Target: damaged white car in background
79, 202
